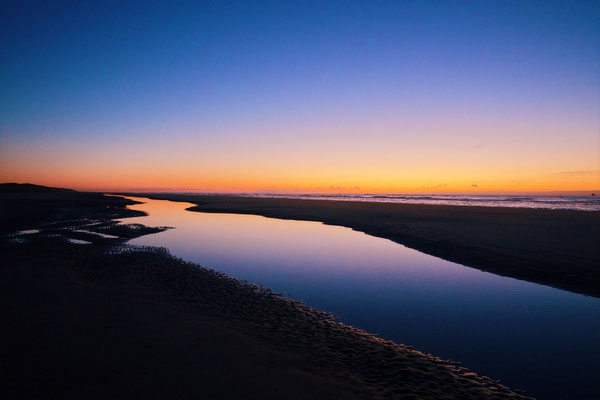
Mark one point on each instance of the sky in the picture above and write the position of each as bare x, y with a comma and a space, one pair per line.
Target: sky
301, 96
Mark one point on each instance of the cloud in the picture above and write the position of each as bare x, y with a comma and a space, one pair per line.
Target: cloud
579, 173
434, 187
474, 185
167, 189
479, 146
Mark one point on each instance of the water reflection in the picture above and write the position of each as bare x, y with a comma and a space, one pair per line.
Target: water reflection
529, 336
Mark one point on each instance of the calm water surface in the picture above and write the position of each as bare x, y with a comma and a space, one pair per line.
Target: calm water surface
533, 337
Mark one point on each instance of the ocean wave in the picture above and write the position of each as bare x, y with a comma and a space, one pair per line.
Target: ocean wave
545, 202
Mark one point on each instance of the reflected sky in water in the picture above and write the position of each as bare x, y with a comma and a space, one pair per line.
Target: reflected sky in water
529, 336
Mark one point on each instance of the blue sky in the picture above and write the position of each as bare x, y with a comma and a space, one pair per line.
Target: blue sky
77, 75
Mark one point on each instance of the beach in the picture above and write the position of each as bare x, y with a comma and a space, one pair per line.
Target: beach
107, 319
557, 248
300, 200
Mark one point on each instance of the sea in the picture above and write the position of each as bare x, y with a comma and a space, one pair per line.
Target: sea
581, 203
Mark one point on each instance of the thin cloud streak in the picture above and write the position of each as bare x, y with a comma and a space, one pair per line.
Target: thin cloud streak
580, 173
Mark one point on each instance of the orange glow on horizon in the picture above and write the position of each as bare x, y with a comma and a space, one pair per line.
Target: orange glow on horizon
323, 162
93, 180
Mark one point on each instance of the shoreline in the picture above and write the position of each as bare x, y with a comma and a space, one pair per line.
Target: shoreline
111, 318
551, 247
258, 334
585, 202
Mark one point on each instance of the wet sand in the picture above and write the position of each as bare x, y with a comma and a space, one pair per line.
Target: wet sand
111, 320
140, 323
558, 248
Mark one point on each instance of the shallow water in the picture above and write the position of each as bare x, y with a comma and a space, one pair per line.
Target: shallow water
28, 232
529, 336
103, 235
78, 241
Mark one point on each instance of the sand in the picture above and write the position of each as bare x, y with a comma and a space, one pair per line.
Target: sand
106, 320
137, 322
558, 248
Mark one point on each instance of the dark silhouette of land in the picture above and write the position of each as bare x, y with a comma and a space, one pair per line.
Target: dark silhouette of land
25, 206
107, 320
559, 248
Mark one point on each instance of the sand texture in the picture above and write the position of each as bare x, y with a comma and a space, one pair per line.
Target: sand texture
98, 320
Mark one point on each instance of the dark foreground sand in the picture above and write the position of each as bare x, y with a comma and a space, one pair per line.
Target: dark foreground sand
558, 248
108, 320
93, 322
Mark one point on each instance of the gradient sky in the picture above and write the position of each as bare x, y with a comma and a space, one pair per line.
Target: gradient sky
346, 96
